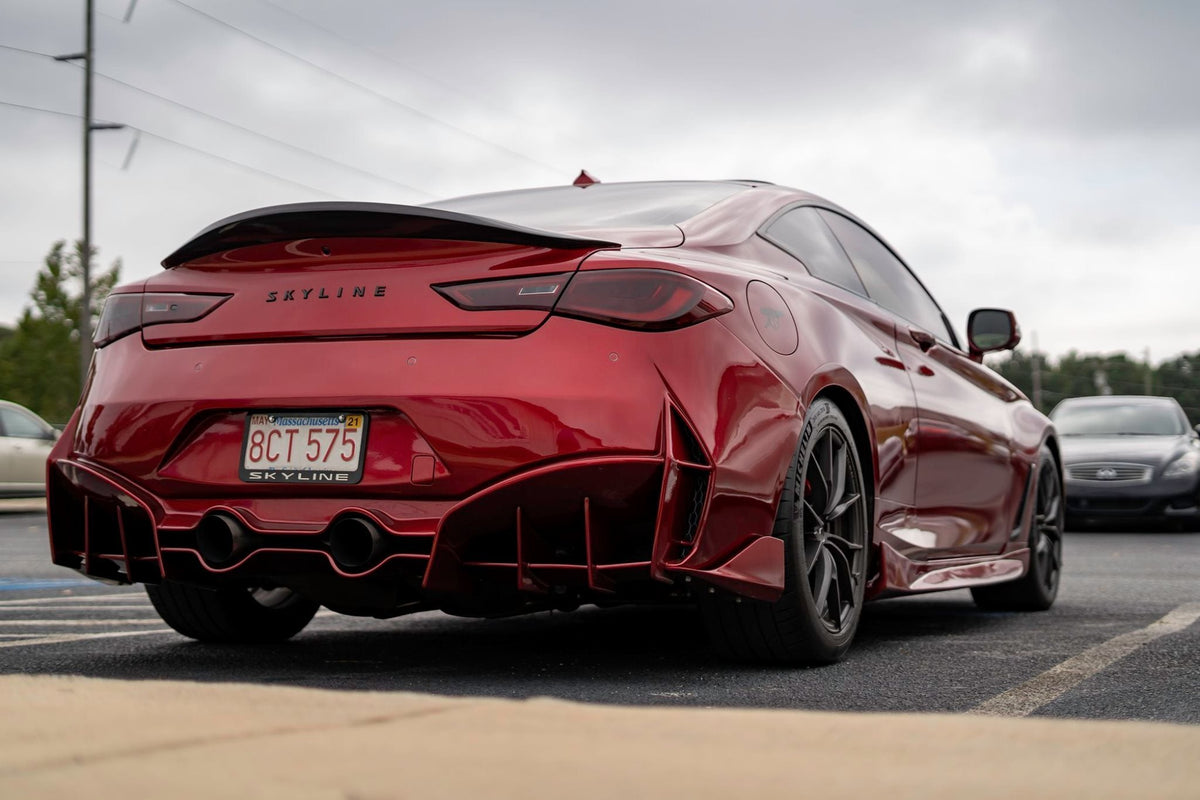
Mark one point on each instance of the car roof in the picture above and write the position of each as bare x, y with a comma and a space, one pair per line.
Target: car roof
1120, 399
711, 211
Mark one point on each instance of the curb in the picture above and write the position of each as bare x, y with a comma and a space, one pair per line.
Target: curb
65, 735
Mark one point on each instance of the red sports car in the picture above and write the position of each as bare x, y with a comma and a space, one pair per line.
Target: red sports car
730, 394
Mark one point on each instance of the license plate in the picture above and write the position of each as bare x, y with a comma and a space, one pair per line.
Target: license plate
304, 447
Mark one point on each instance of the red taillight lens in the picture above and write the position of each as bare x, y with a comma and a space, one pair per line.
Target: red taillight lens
539, 291
644, 299
125, 313
122, 314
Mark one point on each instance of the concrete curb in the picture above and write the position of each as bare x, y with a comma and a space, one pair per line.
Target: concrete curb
22, 505
67, 736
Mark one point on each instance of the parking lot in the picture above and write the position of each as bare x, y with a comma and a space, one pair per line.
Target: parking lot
1121, 643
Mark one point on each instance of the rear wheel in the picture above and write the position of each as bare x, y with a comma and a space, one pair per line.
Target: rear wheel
824, 521
1036, 590
233, 614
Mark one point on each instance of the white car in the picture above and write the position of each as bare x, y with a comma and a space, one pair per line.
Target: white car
25, 442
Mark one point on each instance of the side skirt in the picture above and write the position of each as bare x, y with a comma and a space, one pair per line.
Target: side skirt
900, 575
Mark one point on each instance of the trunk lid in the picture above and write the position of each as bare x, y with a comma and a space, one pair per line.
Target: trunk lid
344, 270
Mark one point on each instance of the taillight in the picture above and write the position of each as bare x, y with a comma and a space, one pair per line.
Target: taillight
645, 299
125, 313
642, 299
536, 292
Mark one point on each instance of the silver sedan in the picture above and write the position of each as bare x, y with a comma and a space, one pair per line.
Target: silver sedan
25, 442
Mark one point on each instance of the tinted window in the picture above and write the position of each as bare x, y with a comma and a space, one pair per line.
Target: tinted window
601, 205
888, 281
21, 425
802, 233
1119, 419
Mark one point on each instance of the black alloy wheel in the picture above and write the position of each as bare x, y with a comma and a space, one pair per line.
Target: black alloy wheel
1037, 589
829, 511
824, 520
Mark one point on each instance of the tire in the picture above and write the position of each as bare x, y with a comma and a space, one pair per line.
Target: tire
1037, 588
824, 521
234, 614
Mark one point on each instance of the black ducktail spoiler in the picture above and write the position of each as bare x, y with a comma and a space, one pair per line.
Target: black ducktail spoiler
339, 220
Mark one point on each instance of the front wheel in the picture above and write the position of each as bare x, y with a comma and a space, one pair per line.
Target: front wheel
233, 614
824, 520
1036, 590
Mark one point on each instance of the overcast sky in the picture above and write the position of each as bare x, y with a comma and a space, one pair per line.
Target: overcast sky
1039, 156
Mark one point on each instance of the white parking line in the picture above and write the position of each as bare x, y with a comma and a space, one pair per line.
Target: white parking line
104, 607
7, 635
79, 623
95, 598
1023, 700
60, 638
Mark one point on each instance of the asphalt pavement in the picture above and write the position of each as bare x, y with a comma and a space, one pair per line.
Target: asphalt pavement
1097, 698
1120, 643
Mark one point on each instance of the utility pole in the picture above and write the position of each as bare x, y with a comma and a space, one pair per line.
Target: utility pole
85, 311
1149, 373
1037, 374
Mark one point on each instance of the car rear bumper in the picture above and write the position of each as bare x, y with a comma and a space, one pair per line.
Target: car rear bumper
556, 481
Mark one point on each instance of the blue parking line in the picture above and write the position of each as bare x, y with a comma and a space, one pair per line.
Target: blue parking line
27, 584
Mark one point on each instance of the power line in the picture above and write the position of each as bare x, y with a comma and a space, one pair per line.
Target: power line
23, 50
243, 166
383, 56
42, 110
368, 90
263, 136
233, 162
243, 128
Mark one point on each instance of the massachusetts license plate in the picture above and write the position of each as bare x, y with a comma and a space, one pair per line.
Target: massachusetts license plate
304, 447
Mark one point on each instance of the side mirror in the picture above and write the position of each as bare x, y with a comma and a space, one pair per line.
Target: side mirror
990, 330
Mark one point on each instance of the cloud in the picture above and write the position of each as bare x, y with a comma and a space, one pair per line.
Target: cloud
1035, 155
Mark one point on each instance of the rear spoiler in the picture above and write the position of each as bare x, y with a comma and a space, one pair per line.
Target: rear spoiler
321, 220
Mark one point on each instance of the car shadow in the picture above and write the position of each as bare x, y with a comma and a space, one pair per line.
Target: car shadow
638, 655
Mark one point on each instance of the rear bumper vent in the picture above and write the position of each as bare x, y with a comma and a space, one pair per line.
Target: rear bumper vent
587, 527
100, 529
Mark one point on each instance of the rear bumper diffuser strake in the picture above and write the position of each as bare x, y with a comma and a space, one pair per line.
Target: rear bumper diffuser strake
594, 527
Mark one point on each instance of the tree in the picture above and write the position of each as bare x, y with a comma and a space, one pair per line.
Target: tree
1086, 374
1180, 378
39, 360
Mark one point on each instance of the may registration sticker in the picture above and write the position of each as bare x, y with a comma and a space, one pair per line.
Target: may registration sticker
304, 447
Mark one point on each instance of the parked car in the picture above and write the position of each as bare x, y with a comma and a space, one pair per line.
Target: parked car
730, 394
25, 442
1129, 461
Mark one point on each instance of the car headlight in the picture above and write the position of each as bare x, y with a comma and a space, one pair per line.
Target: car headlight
1186, 464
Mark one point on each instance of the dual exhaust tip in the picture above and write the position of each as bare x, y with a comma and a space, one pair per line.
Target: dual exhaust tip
355, 542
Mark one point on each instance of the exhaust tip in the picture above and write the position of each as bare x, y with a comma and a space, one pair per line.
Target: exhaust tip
218, 538
354, 542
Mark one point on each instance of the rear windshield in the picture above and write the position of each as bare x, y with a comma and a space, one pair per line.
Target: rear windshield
1132, 419
601, 205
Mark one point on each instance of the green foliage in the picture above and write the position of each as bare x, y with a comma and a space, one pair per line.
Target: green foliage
39, 359
1180, 378
1081, 375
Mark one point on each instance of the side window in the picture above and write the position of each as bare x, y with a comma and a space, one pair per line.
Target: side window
888, 281
20, 425
802, 234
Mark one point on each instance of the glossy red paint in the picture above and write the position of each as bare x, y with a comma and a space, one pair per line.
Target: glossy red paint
521, 459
